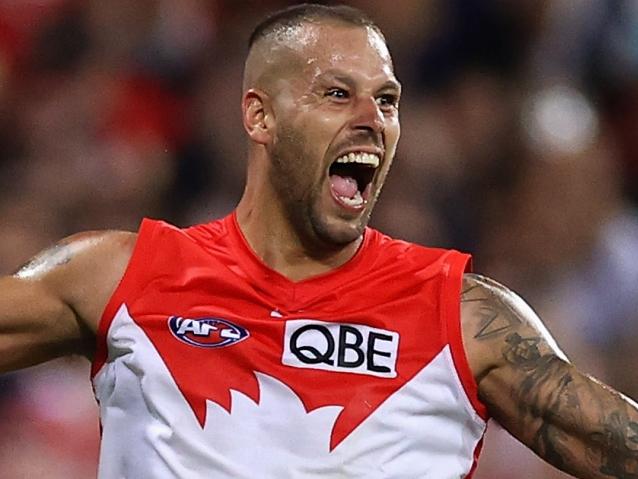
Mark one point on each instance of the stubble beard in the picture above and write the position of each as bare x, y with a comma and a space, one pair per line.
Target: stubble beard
300, 196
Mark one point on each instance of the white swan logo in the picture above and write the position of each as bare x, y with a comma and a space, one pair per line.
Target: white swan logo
278, 423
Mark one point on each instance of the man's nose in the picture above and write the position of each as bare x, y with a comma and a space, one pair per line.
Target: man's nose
368, 115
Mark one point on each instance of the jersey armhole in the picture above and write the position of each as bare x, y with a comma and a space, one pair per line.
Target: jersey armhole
131, 280
459, 264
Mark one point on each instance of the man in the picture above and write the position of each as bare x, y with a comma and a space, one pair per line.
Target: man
289, 340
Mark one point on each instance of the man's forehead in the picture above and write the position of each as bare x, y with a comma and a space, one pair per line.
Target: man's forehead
338, 41
351, 50
312, 48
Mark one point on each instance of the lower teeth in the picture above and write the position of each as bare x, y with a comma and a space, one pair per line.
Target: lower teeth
357, 200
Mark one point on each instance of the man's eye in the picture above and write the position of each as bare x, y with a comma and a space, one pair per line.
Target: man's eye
337, 93
388, 101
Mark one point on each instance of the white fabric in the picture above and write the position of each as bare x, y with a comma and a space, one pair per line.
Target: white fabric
427, 429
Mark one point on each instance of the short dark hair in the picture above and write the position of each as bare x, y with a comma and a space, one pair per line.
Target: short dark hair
296, 15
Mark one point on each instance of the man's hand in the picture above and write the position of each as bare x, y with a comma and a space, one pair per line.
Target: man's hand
51, 307
569, 419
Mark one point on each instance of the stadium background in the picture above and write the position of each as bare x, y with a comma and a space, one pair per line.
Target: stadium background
520, 144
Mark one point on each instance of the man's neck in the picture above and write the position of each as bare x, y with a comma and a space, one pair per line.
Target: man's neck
273, 238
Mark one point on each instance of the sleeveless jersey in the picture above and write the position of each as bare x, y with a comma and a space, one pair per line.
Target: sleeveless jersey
210, 365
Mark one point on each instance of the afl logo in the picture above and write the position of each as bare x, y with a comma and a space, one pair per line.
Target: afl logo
206, 332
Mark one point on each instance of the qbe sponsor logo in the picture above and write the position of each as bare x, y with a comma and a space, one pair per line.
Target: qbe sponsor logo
352, 348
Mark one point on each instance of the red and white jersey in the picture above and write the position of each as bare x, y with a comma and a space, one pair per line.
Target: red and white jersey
212, 365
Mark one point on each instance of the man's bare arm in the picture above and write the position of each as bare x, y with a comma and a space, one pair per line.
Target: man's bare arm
51, 306
569, 419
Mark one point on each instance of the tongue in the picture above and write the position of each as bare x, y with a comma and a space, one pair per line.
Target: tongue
344, 185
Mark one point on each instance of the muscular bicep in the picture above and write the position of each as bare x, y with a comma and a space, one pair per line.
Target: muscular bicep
35, 324
51, 306
500, 330
569, 419
516, 362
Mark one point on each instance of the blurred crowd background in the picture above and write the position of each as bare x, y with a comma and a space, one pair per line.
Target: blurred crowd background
520, 145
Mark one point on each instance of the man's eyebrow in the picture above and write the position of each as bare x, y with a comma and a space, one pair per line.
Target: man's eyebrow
346, 79
391, 85
336, 75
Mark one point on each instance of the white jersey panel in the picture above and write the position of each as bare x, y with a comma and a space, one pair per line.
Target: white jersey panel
426, 429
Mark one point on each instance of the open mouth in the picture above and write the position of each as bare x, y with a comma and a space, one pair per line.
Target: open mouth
351, 178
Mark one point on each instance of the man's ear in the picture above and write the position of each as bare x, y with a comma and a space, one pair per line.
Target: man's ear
258, 116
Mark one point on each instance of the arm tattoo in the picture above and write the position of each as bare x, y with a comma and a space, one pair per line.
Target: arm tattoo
569, 419
58, 255
619, 435
492, 321
523, 352
540, 371
567, 402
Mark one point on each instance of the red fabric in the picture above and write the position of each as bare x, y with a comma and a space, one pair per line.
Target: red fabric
477, 453
209, 271
454, 336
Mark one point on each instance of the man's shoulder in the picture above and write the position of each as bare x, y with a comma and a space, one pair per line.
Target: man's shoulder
200, 232
79, 249
105, 247
394, 248
81, 271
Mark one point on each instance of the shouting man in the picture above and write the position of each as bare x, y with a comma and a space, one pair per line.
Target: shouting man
289, 340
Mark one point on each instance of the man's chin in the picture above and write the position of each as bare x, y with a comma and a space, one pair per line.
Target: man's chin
339, 232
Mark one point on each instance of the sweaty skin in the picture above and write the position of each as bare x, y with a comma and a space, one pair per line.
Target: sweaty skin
319, 90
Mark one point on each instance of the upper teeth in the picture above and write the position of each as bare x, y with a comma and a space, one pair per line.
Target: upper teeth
364, 158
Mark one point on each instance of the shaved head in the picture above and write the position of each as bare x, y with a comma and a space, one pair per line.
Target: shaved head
280, 21
276, 42
270, 59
